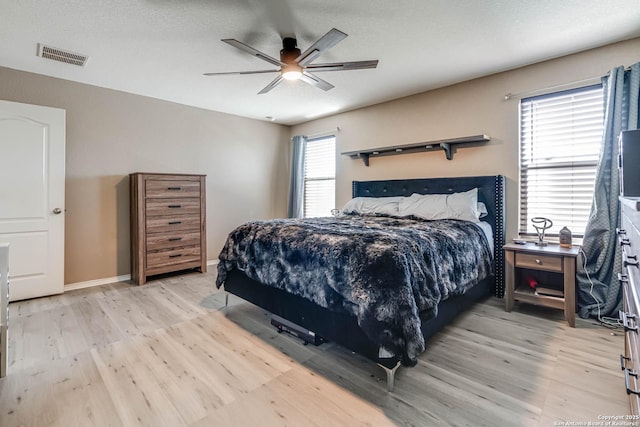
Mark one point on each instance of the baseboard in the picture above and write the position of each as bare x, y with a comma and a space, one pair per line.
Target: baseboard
107, 280
96, 282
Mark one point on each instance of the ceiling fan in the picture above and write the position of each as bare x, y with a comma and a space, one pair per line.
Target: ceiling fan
296, 65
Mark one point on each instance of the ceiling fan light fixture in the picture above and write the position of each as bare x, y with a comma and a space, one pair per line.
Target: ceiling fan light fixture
291, 72
292, 75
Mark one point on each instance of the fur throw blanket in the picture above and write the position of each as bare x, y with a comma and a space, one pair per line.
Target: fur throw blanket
384, 271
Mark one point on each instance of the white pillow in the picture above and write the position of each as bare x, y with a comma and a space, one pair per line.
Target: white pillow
462, 206
482, 210
373, 205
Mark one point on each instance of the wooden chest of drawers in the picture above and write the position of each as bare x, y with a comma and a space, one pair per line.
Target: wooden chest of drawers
168, 226
629, 238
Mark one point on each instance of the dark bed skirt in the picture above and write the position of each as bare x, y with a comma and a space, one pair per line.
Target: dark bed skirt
338, 327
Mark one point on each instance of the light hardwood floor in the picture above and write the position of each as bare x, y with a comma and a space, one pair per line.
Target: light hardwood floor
168, 354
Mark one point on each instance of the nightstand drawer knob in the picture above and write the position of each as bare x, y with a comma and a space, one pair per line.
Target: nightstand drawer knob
538, 261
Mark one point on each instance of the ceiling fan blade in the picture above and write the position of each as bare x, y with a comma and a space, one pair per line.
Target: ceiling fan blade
324, 43
271, 85
315, 81
343, 66
241, 72
254, 52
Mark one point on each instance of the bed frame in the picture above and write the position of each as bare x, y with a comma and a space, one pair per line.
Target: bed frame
343, 329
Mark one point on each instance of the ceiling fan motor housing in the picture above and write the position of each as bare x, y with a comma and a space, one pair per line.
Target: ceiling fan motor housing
289, 51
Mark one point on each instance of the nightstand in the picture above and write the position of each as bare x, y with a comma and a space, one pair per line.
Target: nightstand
553, 269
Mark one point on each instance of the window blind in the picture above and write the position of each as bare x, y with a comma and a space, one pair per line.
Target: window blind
320, 177
560, 138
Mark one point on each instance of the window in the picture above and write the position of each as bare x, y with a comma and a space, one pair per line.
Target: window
320, 177
560, 138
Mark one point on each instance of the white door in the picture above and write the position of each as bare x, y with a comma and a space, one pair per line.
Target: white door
32, 144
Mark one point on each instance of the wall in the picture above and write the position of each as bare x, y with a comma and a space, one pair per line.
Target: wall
111, 134
468, 108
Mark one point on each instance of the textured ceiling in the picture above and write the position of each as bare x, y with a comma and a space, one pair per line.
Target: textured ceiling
161, 48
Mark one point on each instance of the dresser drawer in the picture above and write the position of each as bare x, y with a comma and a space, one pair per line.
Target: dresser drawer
172, 240
629, 238
173, 206
631, 364
172, 223
632, 214
630, 248
539, 262
173, 256
631, 267
155, 188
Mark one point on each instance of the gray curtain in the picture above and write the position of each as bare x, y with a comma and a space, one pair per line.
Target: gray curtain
600, 246
296, 186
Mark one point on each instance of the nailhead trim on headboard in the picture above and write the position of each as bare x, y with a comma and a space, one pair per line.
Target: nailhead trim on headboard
499, 237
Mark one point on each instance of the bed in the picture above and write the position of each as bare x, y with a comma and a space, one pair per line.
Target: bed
335, 317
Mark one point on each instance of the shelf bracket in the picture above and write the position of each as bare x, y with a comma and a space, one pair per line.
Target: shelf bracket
447, 150
365, 158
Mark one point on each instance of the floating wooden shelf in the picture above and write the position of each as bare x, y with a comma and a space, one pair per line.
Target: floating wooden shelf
443, 144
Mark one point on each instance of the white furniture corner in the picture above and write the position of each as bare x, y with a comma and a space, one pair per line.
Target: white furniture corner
4, 306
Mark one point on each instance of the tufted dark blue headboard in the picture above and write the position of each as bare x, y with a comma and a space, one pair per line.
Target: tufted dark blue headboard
490, 192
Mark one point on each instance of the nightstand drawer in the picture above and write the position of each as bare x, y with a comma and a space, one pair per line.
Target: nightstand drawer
539, 262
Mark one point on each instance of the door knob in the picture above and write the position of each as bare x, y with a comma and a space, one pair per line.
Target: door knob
57, 211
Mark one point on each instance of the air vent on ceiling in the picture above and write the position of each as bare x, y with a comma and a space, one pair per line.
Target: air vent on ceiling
60, 55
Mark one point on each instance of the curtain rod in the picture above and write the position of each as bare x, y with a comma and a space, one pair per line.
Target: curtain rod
591, 80
324, 133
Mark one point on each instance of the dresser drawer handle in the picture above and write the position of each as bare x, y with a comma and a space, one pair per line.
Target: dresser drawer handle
623, 278
624, 317
175, 239
622, 362
174, 206
630, 260
627, 381
621, 231
174, 188
175, 222
175, 256
539, 262
625, 241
